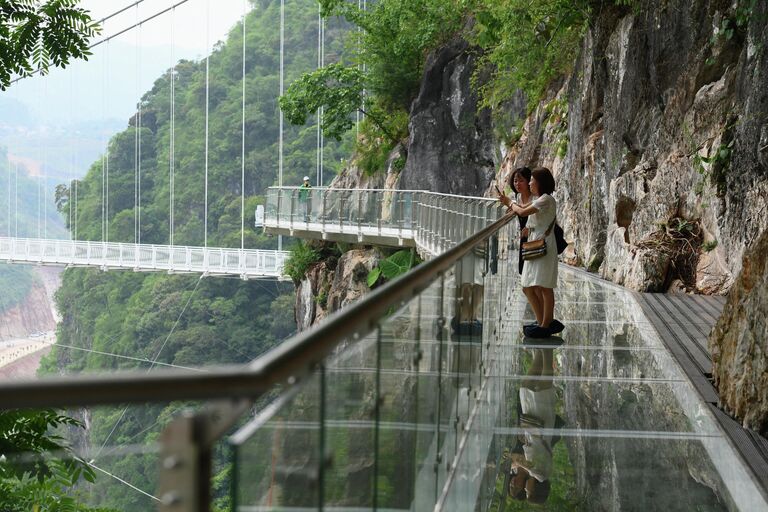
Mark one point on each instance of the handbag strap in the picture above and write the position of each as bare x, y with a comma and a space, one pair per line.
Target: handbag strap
549, 229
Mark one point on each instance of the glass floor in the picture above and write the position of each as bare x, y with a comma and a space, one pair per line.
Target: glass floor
421, 416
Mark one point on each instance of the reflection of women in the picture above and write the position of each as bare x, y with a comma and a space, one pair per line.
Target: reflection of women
532, 468
540, 275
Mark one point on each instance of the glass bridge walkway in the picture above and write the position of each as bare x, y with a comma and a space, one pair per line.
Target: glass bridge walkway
425, 395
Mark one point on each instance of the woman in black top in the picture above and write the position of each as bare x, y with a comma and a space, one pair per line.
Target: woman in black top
519, 183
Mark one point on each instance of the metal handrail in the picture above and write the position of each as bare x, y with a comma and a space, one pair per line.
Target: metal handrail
287, 362
390, 190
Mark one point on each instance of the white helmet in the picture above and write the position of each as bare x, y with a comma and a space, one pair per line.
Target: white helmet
306, 178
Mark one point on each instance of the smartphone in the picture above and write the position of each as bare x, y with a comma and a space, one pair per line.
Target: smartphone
497, 189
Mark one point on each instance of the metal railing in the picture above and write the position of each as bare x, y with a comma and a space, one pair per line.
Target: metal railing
246, 263
431, 221
313, 364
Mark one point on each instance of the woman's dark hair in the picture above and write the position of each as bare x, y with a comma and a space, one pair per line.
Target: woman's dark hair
525, 172
544, 179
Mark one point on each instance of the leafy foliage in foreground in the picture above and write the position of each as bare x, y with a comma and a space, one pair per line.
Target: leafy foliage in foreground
393, 266
39, 470
37, 35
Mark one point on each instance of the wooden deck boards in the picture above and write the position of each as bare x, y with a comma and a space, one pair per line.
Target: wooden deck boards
684, 323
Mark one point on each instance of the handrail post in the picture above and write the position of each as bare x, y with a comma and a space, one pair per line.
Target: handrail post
185, 467
380, 209
325, 205
341, 213
293, 204
359, 214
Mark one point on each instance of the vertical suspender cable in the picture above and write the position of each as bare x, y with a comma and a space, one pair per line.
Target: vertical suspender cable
103, 155
74, 170
39, 205
106, 192
137, 147
207, 108
44, 171
282, 84
242, 155
8, 155
357, 113
317, 114
16, 200
171, 141
322, 109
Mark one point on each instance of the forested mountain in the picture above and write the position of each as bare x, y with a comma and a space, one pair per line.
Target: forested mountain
188, 320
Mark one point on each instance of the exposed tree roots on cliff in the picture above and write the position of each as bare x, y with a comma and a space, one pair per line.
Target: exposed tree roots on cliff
678, 242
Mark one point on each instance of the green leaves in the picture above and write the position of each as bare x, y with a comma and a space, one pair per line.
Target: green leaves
373, 276
393, 266
336, 88
301, 258
34, 36
38, 469
397, 264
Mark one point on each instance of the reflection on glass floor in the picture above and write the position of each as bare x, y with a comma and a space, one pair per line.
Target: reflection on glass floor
600, 419
424, 414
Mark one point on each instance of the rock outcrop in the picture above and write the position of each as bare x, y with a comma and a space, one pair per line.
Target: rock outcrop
451, 146
329, 286
739, 345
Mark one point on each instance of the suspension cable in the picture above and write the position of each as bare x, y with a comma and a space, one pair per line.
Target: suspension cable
207, 108
16, 198
122, 481
44, 171
322, 109
138, 136
154, 362
317, 114
8, 156
172, 134
242, 155
106, 193
103, 155
281, 116
130, 358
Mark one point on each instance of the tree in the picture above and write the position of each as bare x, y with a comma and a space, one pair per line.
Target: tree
336, 88
36, 35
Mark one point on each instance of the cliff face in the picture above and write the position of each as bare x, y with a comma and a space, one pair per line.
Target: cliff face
451, 146
659, 143
34, 314
739, 345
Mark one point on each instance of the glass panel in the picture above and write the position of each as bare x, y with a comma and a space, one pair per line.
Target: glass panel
277, 456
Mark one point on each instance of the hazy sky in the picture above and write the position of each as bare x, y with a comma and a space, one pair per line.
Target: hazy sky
108, 85
190, 19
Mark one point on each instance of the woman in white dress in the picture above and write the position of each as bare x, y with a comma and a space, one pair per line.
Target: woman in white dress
539, 277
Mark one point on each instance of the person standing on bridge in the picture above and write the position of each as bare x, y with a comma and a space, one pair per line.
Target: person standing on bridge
519, 183
305, 191
539, 278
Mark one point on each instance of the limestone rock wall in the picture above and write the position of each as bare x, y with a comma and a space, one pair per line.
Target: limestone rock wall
652, 92
451, 147
739, 344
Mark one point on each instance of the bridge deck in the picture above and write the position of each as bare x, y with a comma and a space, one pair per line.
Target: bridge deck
248, 264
